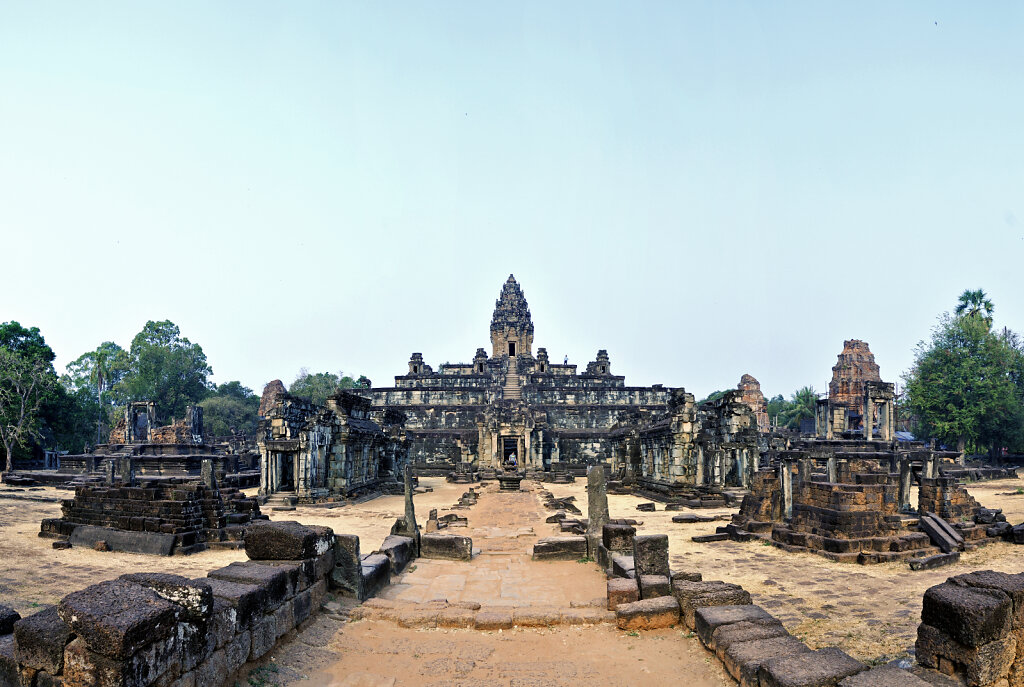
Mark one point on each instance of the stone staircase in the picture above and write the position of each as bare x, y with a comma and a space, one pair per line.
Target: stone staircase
513, 392
281, 501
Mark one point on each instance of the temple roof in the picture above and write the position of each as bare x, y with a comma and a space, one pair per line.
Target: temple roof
511, 309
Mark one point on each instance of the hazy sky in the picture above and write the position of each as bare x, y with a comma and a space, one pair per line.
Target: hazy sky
703, 189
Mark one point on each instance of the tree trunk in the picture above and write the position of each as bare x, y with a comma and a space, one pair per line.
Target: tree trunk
10, 460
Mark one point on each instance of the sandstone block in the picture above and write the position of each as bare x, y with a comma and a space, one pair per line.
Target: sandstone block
653, 586
446, 546
726, 635
707, 619
247, 600
8, 616
1011, 585
117, 618
275, 581
978, 664
743, 660
286, 541
568, 548
618, 537
647, 614
819, 668
883, 676
264, 634
650, 554
9, 671
970, 616
39, 640
399, 550
622, 590
493, 620
694, 595
193, 596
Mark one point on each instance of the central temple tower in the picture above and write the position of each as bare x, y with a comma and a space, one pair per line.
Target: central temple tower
511, 325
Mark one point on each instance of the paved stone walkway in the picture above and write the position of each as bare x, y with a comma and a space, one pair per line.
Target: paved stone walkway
501, 579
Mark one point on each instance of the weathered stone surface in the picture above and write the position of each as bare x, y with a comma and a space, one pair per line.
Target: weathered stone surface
264, 634
969, 616
725, 636
494, 620
883, 676
568, 548
39, 640
193, 596
743, 660
709, 618
286, 540
597, 500
653, 586
622, 590
650, 554
117, 618
1011, 585
273, 579
618, 537
979, 664
376, 574
820, 668
8, 616
271, 393
694, 595
447, 546
687, 575
153, 543
647, 614
247, 600
937, 561
399, 550
9, 671
347, 574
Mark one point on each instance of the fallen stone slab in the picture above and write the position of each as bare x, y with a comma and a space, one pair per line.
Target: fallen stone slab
153, 543
883, 676
692, 518
726, 635
694, 595
647, 614
622, 566
118, 618
707, 619
622, 590
557, 517
286, 540
39, 641
570, 548
645, 507
452, 547
970, 616
820, 668
936, 561
743, 660
708, 538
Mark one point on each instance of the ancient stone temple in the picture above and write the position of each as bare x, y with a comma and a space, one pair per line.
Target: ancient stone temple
310, 453
750, 393
857, 392
518, 402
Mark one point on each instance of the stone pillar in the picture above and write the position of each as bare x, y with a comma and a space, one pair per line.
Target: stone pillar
126, 471
803, 467
833, 469
931, 467
597, 507
885, 420
206, 475
869, 416
699, 474
786, 483
741, 467
905, 480
109, 472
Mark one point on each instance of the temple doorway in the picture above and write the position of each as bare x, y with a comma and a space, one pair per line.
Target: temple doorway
287, 472
508, 447
511, 349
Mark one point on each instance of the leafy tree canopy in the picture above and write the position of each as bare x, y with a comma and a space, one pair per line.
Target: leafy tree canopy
320, 386
25, 342
965, 387
713, 396
231, 409
164, 367
801, 406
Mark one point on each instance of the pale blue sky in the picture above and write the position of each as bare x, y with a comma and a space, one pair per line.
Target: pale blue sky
703, 189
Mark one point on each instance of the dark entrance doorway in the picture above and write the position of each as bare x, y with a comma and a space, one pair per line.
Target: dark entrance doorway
287, 472
511, 349
508, 447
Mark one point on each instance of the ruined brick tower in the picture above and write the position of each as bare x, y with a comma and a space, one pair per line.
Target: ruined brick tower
511, 325
855, 366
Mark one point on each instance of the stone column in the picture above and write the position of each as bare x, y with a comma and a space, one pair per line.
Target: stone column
931, 470
699, 473
206, 475
126, 471
741, 467
833, 469
109, 472
885, 420
803, 467
905, 479
597, 507
786, 483
869, 416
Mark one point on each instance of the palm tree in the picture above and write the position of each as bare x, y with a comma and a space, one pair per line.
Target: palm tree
801, 405
99, 374
975, 304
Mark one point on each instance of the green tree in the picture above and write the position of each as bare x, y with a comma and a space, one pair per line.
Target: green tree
964, 388
25, 380
231, 410
801, 406
27, 343
713, 396
975, 304
777, 407
320, 386
91, 377
164, 367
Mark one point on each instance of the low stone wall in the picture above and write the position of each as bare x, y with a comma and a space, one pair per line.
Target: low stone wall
157, 629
